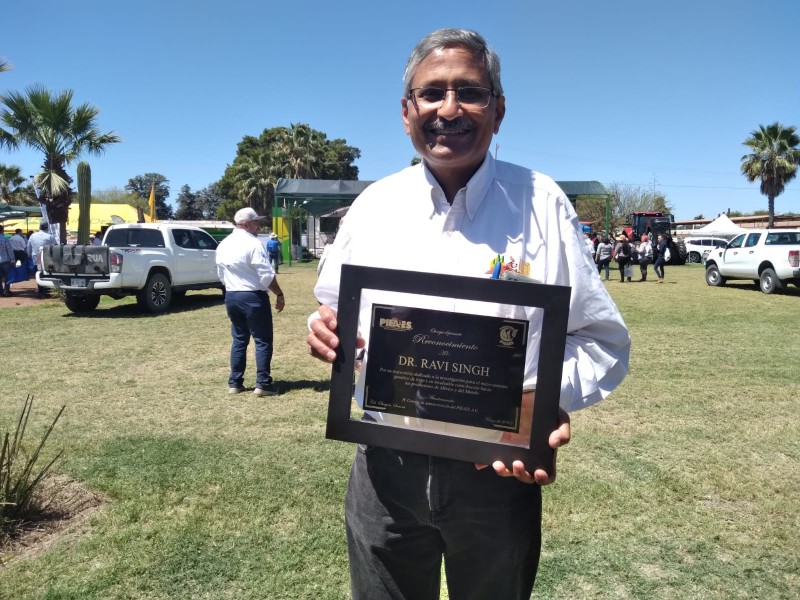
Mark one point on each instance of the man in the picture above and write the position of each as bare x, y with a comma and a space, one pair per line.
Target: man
20, 246
35, 243
274, 250
7, 261
243, 268
98, 238
405, 511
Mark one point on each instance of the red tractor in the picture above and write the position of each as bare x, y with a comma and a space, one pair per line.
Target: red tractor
653, 223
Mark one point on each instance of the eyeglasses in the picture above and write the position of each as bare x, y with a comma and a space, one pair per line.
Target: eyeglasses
433, 97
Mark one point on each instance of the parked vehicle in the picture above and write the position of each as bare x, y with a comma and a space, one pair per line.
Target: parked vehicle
697, 246
769, 257
153, 261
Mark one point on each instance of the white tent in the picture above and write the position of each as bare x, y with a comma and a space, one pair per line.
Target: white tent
721, 226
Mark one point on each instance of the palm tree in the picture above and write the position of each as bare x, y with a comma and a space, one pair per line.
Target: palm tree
300, 153
51, 125
774, 160
10, 180
255, 182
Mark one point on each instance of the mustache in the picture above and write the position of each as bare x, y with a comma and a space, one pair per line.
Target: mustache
442, 125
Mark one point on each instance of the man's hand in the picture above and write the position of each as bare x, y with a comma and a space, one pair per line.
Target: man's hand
322, 340
559, 437
280, 302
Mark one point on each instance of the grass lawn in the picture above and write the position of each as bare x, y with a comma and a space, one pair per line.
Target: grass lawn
683, 484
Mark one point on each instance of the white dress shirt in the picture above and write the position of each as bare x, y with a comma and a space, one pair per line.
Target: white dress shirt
18, 242
405, 222
37, 240
242, 263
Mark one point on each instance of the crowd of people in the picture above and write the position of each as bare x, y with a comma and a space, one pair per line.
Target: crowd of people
627, 253
18, 257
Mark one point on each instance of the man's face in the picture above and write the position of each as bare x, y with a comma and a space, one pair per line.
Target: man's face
452, 139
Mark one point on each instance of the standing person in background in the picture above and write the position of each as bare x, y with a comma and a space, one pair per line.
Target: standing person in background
274, 248
244, 269
645, 249
622, 253
660, 259
405, 511
7, 261
20, 246
603, 256
35, 243
98, 238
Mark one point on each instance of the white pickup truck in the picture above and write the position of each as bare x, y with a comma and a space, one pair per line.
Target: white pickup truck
769, 257
153, 261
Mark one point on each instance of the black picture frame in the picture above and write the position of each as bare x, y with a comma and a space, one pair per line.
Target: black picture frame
552, 299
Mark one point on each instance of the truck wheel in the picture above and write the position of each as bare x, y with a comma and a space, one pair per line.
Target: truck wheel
693, 257
156, 295
769, 282
81, 304
713, 276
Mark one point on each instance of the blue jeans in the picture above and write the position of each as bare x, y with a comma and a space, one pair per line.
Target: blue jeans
404, 512
274, 261
658, 267
251, 315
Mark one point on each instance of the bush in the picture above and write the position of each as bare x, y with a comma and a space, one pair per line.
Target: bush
18, 479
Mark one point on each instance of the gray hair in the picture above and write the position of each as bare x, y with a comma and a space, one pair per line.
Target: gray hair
449, 38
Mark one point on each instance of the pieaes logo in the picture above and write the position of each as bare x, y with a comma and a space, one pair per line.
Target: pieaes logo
395, 324
507, 335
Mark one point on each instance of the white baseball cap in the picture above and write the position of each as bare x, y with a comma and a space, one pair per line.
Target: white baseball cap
243, 215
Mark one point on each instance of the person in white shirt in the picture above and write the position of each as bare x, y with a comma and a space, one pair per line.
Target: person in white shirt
244, 270
404, 512
20, 246
35, 243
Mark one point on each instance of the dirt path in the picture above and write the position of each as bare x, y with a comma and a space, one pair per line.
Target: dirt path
24, 295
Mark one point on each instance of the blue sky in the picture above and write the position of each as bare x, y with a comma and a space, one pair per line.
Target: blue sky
653, 93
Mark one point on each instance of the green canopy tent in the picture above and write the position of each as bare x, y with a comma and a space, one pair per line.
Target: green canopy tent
17, 213
587, 190
309, 198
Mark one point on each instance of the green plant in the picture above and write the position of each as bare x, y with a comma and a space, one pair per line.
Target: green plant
18, 480
84, 200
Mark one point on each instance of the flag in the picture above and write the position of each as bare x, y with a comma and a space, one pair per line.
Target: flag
152, 202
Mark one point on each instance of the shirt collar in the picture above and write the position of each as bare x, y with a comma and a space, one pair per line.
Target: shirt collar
476, 188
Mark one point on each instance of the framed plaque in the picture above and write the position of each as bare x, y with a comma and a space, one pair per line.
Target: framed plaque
461, 370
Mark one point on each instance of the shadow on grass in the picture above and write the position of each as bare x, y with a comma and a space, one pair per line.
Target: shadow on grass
744, 286
133, 311
304, 384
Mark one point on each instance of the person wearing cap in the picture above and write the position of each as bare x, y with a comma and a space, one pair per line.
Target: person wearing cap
244, 269
35, 243
274, 250
406, 512
622, 254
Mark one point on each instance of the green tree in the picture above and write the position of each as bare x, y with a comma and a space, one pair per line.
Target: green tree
773, 161
140, 186
298, 151
10, 181
49, 124
208, 199
119, 196
187, 205
255, 182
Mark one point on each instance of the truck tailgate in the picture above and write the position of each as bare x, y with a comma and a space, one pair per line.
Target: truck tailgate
76, 260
